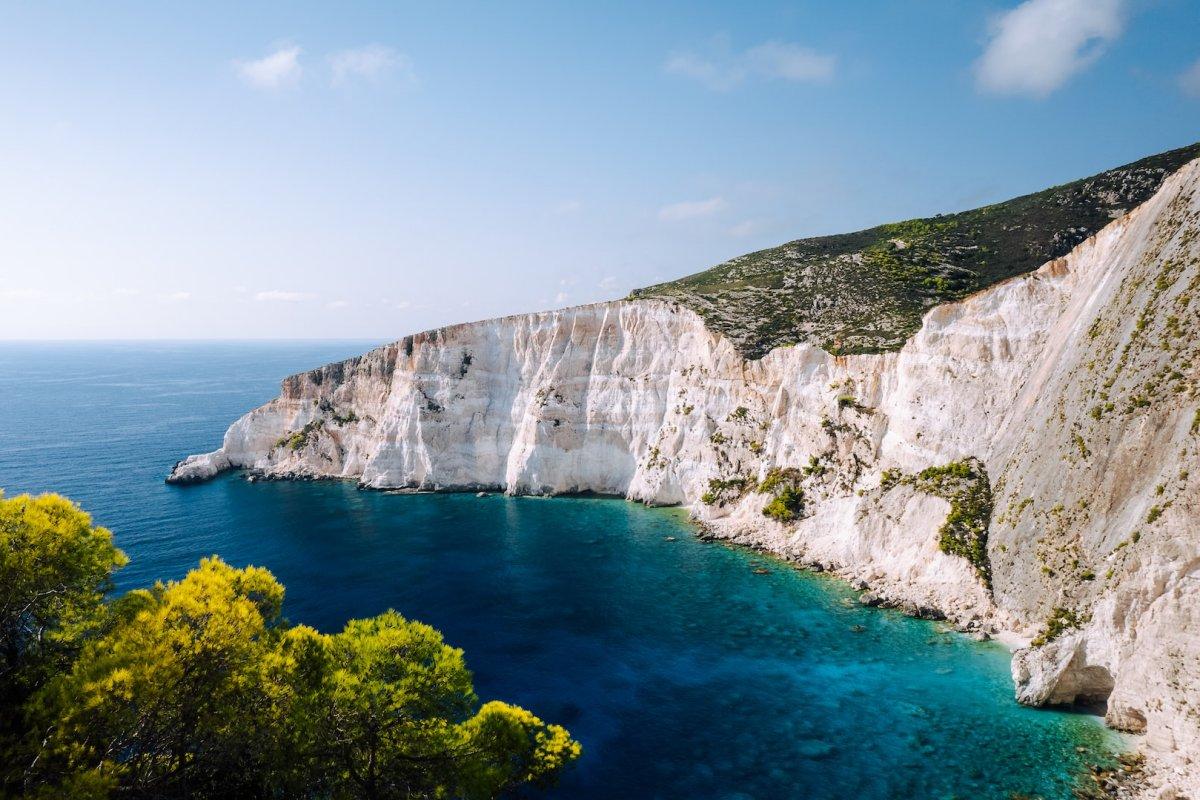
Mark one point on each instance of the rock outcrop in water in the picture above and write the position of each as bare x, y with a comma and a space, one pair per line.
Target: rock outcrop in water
1027, 464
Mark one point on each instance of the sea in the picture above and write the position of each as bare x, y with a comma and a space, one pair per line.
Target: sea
687, 668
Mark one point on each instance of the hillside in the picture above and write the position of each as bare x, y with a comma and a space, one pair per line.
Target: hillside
866, 291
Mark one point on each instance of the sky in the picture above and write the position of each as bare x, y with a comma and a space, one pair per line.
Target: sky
368, 170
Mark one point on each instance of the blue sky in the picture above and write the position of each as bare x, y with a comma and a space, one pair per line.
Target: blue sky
368, 170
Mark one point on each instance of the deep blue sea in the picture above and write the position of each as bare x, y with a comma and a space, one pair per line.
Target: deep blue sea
684, 673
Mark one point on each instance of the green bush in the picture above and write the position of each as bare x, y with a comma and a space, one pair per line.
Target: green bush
200, 688
295, 440
722, 490
1060, 621
345, 419
787, 506
777, 478
787, 501
964, 484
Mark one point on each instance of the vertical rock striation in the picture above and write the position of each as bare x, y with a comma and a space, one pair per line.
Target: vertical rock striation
1027, 464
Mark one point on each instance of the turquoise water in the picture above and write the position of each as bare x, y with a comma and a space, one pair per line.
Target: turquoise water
684, 673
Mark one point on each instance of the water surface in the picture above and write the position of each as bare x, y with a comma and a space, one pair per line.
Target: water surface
684, 673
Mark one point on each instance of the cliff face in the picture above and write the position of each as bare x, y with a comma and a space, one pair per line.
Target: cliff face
1027, 464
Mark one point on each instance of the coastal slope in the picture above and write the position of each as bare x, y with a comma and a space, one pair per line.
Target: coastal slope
1026, 464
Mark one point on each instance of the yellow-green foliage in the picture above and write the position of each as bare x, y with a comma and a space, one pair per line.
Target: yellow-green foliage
199, 688
55, 567
787, 506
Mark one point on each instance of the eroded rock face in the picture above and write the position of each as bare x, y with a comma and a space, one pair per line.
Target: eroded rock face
1076, 387
199, 468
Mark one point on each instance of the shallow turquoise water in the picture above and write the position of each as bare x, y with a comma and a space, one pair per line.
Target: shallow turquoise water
684, 674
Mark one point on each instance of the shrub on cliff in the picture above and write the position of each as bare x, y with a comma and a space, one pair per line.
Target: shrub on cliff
965, 486
787, 506
787, 498
200, 688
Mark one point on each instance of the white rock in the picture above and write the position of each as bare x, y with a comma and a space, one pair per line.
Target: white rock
639, 399
203, 467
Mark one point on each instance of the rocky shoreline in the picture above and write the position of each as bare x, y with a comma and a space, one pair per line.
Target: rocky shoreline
1027, 465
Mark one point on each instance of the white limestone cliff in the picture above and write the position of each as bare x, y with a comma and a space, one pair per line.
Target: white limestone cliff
1076, 386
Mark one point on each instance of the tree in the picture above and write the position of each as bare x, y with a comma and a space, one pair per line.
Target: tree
55, 568
173, 701
508, 747
399, 715
199, 688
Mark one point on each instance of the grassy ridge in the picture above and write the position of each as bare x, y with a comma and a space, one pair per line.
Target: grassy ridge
866, 291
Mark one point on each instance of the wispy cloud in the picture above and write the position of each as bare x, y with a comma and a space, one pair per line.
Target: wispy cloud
747, 227
371, 62
178, 297
691, 209
282, 296
722, 69
1189, 80
14, 295
1041, 44
608, 283
332, 304
276, 70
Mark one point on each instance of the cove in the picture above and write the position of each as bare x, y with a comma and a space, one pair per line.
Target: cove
684, 672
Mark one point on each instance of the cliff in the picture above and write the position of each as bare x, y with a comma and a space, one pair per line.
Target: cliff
1026, 464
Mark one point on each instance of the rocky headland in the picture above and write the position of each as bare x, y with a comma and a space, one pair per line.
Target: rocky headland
1007, 436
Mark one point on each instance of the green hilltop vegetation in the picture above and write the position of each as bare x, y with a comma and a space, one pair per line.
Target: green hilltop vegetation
866, 292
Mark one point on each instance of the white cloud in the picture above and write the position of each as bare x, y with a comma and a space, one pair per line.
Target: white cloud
178, 297
608, 283
281, 296
123, 292
790, 62
691, 209
370, 63
722, 70
561, 297
1041, 44
568, 207
273, 71
338, 304
745, 228
1189, 80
